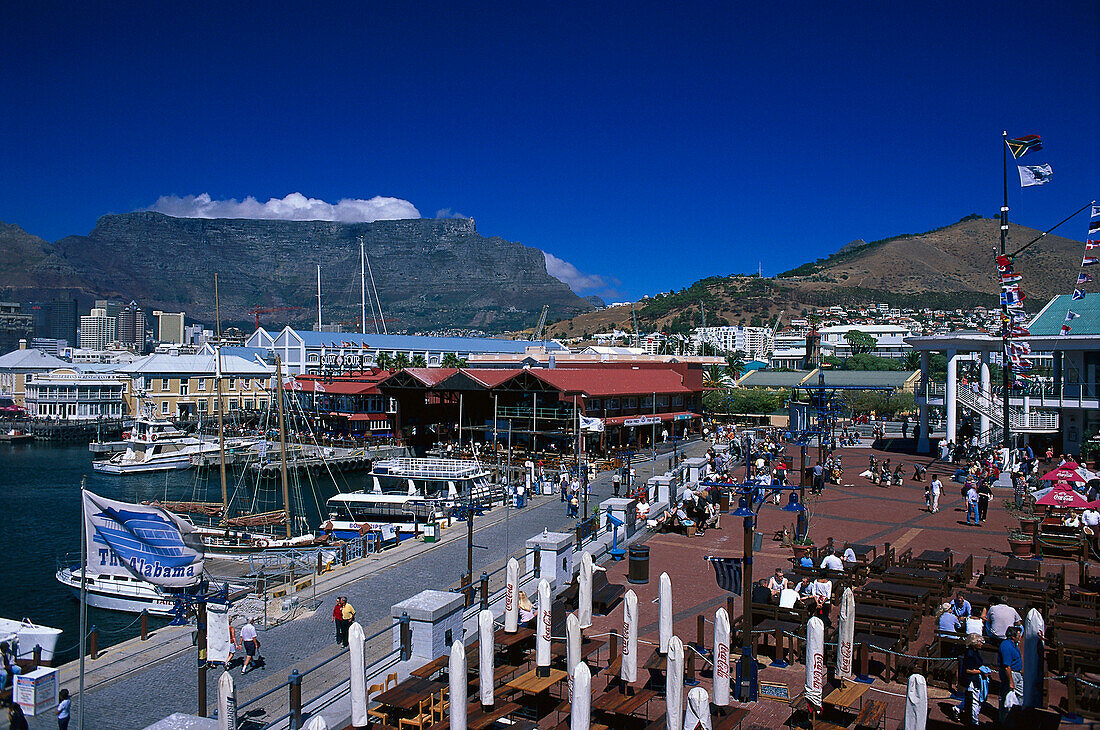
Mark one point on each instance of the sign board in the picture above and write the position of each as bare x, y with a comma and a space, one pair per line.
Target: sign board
682, 416
642, 421
775, 691
36, 692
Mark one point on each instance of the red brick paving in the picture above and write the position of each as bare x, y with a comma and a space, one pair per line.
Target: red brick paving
856, 511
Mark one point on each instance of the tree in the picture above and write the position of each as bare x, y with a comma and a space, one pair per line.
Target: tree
401, 361
735, 365
418, 361
864, 361
384, 361
713, 376
860, 342
911, 361
450, 360
746, 401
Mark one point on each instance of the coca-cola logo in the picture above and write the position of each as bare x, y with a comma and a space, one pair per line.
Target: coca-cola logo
546, 625
626, 639
508, 597
845, 657
722, 662
819, 672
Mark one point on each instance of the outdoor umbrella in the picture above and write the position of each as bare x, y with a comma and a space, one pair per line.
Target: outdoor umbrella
674, 684
358, 682
1034, 665
1063, 496
584, 602
227, 702
572, 646
511, 597
1064, 473
542, 633
846, 635
698, 710
721, 657
664, 597
815, 661
457, 670
485, 644
316, 723
580, 706
629, 671
916, 703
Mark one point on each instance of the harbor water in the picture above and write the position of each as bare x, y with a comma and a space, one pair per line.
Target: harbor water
40, 522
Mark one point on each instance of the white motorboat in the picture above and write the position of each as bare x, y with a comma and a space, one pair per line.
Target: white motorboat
118, 592
156, 444
24, 635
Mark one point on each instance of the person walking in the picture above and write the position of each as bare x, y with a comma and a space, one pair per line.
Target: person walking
936, 487
985, 493
1012, 674
338, 620
972, 505
252, 657
970, 682
616, 482
347, 613
64, 709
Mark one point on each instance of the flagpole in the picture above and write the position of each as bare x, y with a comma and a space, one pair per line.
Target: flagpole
83, 594
1006, 375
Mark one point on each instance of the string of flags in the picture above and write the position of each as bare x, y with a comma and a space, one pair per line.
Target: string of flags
1029, 174
1092, 243
1015, 320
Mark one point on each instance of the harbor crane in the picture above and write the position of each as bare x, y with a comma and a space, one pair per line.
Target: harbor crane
257, 311
542, 323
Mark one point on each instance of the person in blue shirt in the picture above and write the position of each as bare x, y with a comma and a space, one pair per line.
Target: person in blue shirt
1012, 673
960, 607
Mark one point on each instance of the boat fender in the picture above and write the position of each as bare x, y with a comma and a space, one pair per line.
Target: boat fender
262, 543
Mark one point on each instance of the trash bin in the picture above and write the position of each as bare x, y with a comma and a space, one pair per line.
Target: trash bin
638, 564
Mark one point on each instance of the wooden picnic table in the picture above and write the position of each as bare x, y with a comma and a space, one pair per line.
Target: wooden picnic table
531, 685
515, 645
933, 558
624, 704
847, 695
426, 671
898, 595
407, 695
1036, 589
935, 580
864, 553
904, 619
1083, 616
560, 649
1075, 650
871, 642
732, 718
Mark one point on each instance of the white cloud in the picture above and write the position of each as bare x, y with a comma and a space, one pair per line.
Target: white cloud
574, 278
294, 207
448, 213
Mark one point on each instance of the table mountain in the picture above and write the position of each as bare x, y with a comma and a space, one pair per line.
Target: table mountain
429, 273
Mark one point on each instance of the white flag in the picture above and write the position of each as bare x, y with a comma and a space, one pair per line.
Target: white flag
1096, 211
1034, 175
143, 541
592, 424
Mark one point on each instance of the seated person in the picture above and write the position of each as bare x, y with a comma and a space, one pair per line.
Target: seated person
1071, 520
788, 597
973, 623
777, 583
1000, 617
713, 515
805, 589
681, 517
849, 555
960, 606
948, 623
805, 562
643, 508
822, 593
527, 612
832, 561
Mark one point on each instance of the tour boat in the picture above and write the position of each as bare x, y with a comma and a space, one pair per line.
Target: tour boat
24, 635
156, 444
117, 592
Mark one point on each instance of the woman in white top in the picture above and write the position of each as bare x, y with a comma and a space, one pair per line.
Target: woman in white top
777, 583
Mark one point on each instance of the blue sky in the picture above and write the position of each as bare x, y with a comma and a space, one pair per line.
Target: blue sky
647, 144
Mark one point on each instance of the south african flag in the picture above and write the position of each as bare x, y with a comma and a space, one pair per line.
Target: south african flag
1022, 145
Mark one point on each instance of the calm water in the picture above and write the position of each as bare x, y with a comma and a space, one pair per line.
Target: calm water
40, 521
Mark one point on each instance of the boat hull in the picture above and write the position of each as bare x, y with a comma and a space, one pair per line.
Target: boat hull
139, 598
29, 635
110, 467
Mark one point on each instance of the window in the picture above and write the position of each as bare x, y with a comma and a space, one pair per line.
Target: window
594, 404
164, 406
247, 405
201, 384
630, 403
231, 385
164, 384
312, 357
202, 405
246, 384
183, 388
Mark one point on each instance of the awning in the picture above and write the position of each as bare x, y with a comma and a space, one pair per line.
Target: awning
664, 417
369, 417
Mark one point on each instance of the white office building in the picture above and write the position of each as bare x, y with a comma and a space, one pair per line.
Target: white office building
96, 330
889, 339
754, 343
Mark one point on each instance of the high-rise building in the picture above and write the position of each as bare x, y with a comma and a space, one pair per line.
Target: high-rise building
15, 325
64, 318
131, 327
112, 308
169, 326
97, 330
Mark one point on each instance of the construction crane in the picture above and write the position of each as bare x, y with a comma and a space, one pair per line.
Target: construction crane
775, 329
637, 332
257, 311
542, 323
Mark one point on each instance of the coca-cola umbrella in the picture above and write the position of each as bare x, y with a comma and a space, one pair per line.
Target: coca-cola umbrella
1064, 473
1063, 496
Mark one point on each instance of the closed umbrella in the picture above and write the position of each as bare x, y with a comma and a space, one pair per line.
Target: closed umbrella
485, 644
916, 703
358, 683
584, 602
572, 646
580, 706
511, 597
664, 596
316, 723
542, 642
629, 671
721, 658
227, 702
815, 661
846, 635
674, 684
698, 710
1034, 661
457, 670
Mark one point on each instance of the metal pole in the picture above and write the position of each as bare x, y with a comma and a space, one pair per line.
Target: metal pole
1006, 365
318, 297
282, 442
83, 594
748, 658
200, 637
221, 427
470, 539
460, 422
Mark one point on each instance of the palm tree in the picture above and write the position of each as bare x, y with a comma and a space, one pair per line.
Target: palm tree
714, 377
384, 361
401, 361
450, 360
911, 361
735, 365
418, 361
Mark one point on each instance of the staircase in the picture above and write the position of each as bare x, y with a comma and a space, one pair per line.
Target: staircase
1034, 421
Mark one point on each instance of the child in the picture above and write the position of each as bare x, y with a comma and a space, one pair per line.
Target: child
928, 497
63, 705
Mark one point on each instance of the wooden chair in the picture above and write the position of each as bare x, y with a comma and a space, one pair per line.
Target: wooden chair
381, 715
391, 679
439, 709
423, 717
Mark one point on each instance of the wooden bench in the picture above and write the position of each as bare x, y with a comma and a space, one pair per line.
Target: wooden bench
871, 715
604, 593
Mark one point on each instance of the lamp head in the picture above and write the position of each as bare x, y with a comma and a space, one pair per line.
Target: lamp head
743, 509
793, 505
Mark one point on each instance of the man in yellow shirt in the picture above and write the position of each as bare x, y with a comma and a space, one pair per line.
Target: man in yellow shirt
348, 614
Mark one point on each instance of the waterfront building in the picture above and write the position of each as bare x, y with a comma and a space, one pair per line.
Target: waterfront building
305, 352
347, 405
754, 343
97, 330
170, 326
1058, 406
16, 365
15, 325
184, 386
76, 394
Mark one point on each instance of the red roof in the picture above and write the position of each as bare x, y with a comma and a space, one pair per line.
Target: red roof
366, 384
431, 376
613, 382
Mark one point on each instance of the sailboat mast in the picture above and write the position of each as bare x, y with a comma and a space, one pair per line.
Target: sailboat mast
374, 286
282, 441
318, 299
362, 290
221, 417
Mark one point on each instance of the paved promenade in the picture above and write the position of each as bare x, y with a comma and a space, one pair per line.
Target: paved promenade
162, 679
